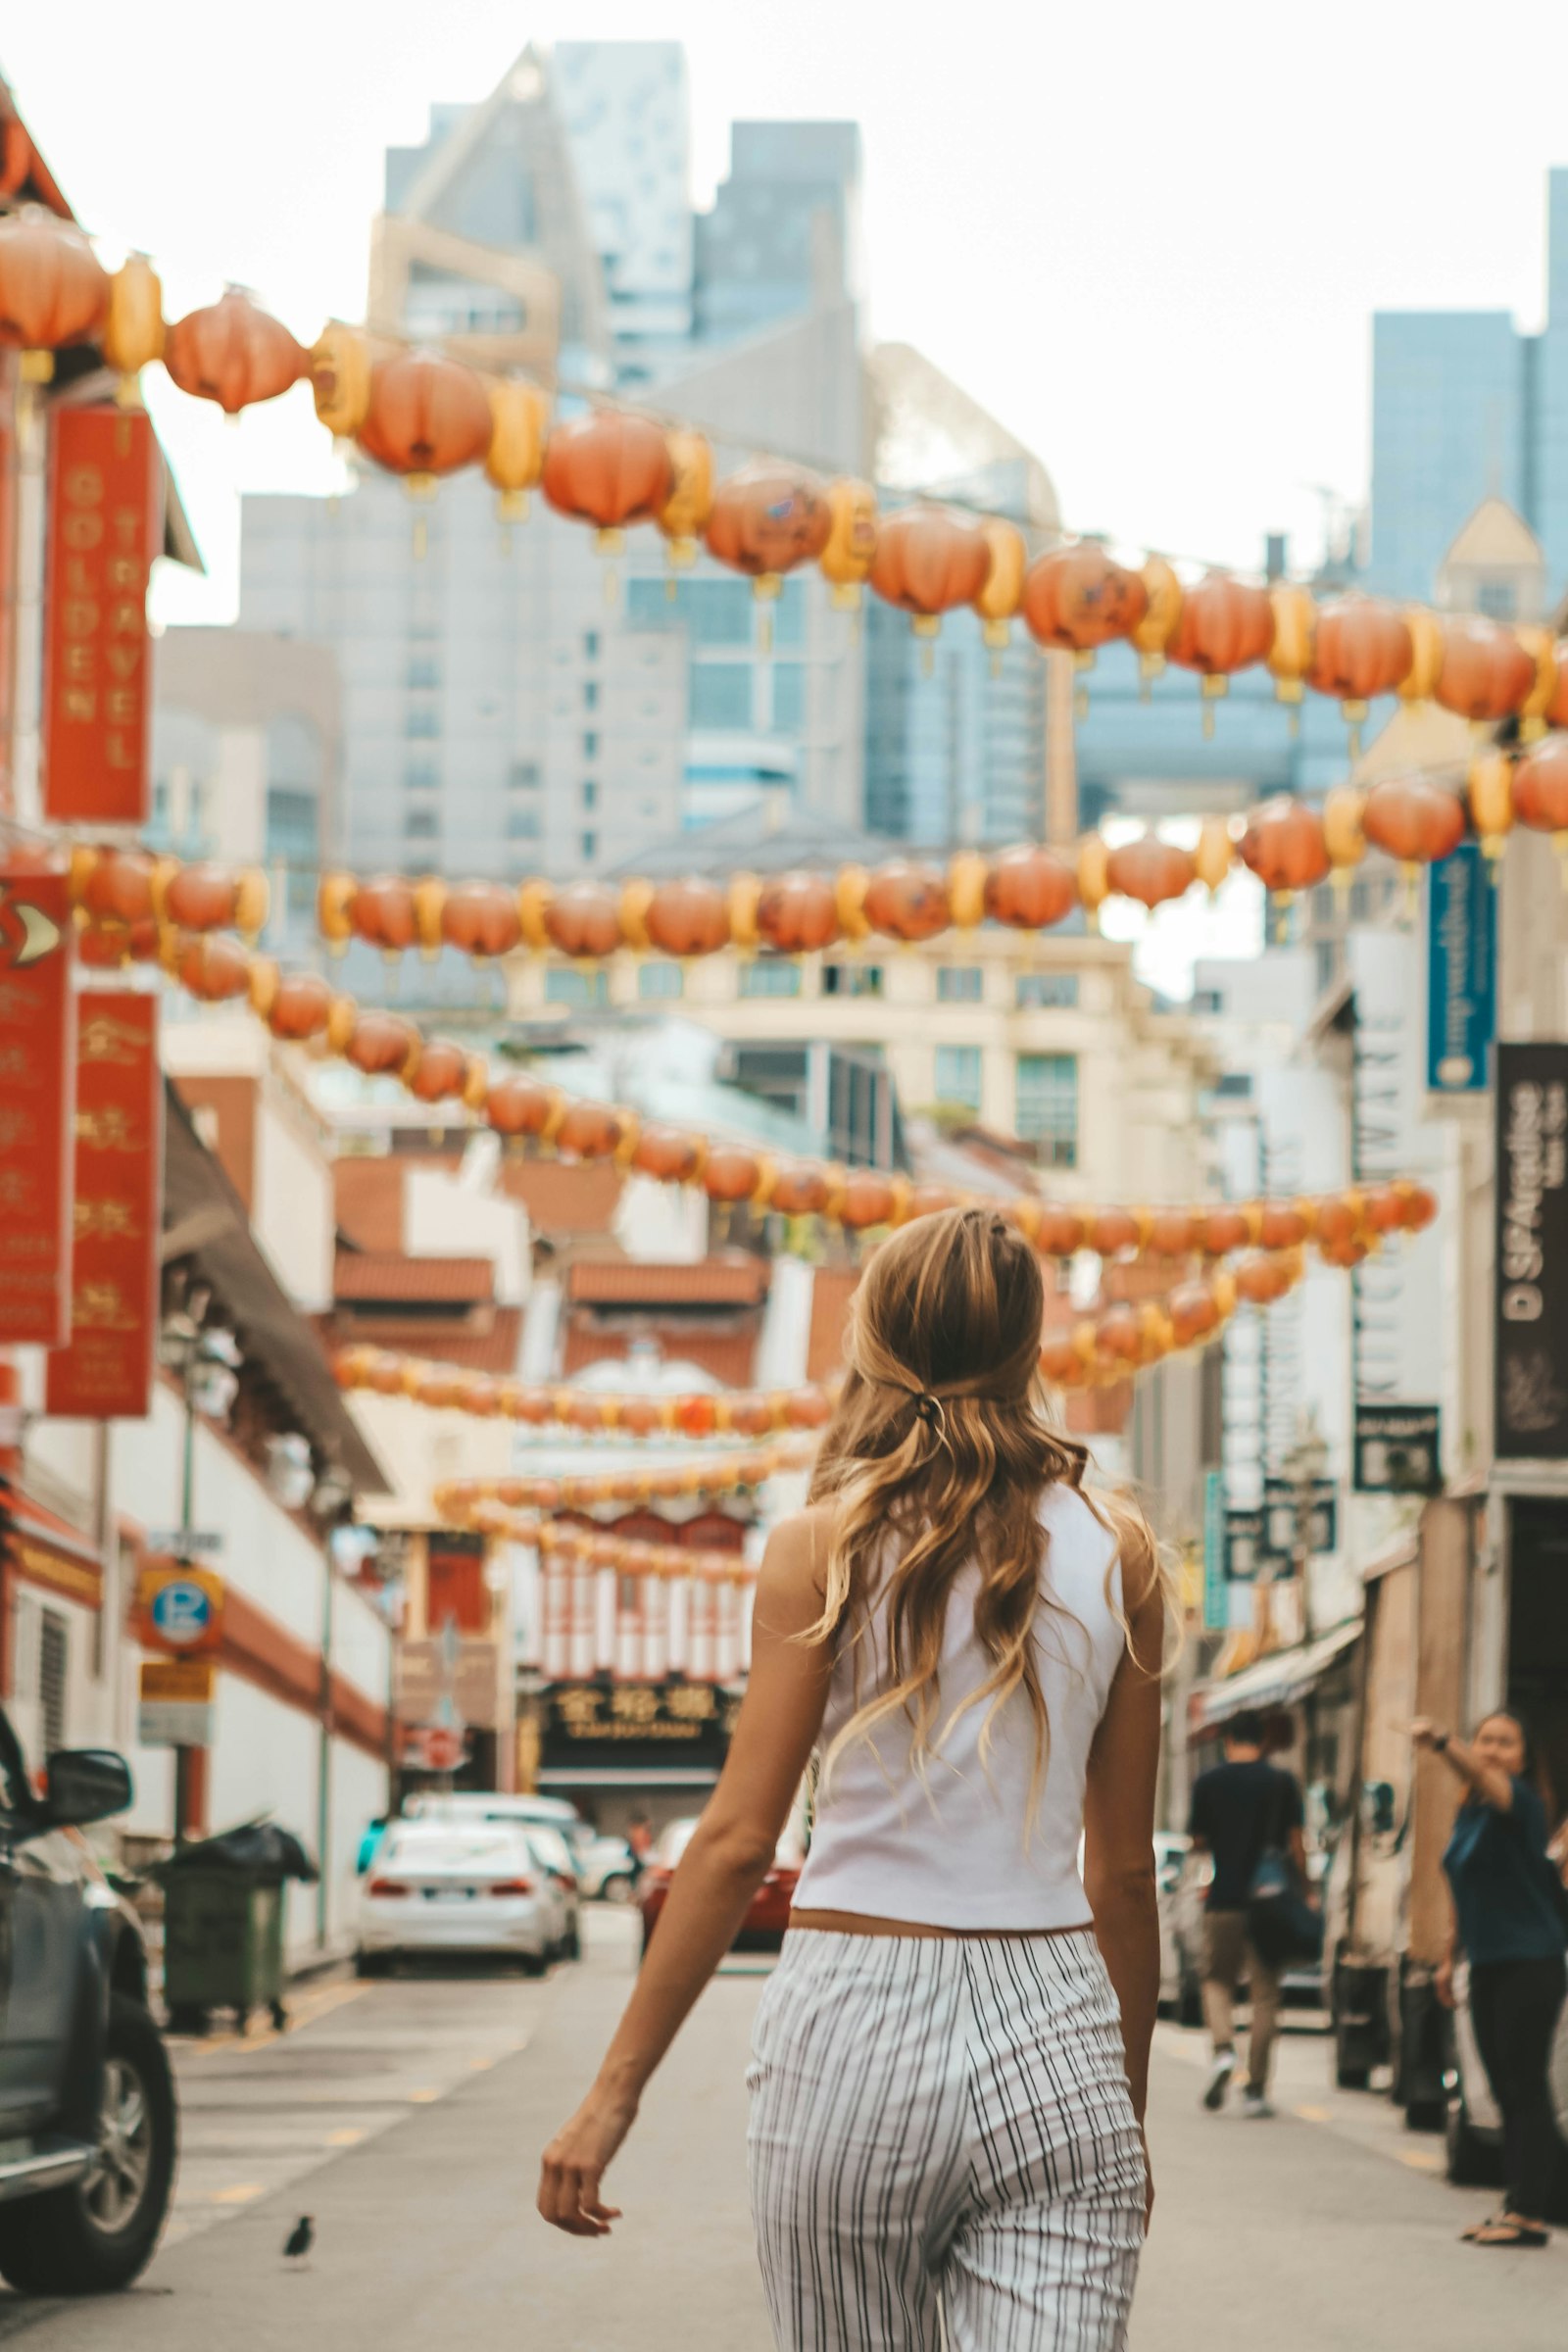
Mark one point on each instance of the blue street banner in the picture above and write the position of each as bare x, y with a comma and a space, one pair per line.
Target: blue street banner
1216, 1599
1461, 972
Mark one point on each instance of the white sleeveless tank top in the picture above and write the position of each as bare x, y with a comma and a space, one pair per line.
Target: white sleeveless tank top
953, 1853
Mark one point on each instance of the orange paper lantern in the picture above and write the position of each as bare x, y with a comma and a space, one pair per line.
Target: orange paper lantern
233, 353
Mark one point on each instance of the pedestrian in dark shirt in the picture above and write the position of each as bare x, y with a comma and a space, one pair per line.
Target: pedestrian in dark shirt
1510, 1923
1239, 1810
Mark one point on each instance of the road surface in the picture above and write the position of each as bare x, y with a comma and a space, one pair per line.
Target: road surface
406, 2118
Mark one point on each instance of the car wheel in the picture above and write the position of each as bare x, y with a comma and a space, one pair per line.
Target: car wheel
373, 1964
533, 1964
99, 2233
618, 1888
571, 1944
1471, 2161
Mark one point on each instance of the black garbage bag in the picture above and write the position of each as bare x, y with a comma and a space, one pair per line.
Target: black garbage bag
259, 1850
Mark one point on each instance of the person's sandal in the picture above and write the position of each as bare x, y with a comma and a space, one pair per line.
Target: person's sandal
1468, 2237
1507, 2231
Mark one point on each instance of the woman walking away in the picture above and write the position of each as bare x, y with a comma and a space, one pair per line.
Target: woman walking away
949, 2061
1511, 1923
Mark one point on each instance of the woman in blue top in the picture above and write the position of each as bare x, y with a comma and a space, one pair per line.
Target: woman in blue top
1509, 1923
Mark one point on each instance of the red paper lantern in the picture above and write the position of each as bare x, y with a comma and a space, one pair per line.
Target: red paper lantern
119, 887
200, 897
1486, 673
608, 468
767, 519
1112, 1231
1193, 1313
1413, 821
517, 1105
906, 900
1284, 845
667, 1153
1360, 649
1076, 598
1061, 1232
1224, 625
1223, 1230
867, 1199
300, 1006
233, 353
1030, 889
214, 968
687, 918
799, 1190
730, 1173
1151, 870
929, 560
382, 913
584, 921
53, 289
1280, 1225
440, 1070
1172, 1233
1540, 787
589, 1131
429, 415
380, 1043
797, 913
480, 919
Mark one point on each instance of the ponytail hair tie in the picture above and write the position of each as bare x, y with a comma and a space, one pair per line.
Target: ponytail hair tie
929, 1409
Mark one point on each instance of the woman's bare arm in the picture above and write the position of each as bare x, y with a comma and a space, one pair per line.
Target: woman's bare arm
1120, 1825
1493, 1787
729, 1854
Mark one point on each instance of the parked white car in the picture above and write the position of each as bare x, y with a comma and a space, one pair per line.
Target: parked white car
558, 1863
607, 1868
445, 1887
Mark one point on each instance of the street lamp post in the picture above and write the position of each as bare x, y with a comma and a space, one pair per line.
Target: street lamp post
1304, 1467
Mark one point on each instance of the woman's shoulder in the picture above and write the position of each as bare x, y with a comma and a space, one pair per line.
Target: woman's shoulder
799, 1543
1099, 1528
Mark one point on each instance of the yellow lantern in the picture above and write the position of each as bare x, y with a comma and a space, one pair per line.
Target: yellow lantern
253, 900
534, 905
515, 458
744, 892
340, 378
967, 874
1489, 789
849, 896
430, 905
334, 902
262, 986
1159, 625
1425, 655
846, 561
1215, 853
1093, 878
1542, 648
683, 516
134, 327
1290, 657
631, 911
998, 600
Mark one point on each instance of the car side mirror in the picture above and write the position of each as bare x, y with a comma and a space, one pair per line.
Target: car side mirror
85, 1783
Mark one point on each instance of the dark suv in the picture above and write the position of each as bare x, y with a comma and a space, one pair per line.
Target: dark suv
88, 2127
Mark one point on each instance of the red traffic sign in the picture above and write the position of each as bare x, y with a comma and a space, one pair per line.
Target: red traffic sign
435, 1746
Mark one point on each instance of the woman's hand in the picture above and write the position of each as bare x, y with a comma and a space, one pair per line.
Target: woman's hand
1425, 1734
574, 2163
1442, 1980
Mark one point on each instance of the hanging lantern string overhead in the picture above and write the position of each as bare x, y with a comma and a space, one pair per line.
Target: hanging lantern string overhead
602, 1548
420, 413
303, 1008
725, 1474
130, 900
1096, 1351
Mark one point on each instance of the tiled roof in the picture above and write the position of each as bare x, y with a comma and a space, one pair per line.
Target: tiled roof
387, 1275
368, 1194
494, 1349
729, 1356
560, 1199
832, 1288
630, 1282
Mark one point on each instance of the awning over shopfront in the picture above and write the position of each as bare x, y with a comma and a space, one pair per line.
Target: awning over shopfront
1277, 1680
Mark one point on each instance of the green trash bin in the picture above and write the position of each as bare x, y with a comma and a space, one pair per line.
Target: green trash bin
223, 1946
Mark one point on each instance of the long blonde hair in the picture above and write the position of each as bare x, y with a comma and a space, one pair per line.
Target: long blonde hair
940, 1440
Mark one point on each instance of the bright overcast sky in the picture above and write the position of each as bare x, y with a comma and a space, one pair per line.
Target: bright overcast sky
1149, 238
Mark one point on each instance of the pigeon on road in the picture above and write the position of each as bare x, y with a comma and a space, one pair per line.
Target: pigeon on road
300, 2238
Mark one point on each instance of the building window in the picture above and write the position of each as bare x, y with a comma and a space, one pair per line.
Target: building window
523, 775
590, 645
770, 977
590, 745
660, 976
721, 695
852, 979
789, 696
590, 693
1046, 1109
1036, 991
958, 1075
789, 614
522, 824
424, 670
590, 845
590, 793
419, 824
959, 984
421, 775
585, 991
422, 723
1498, 599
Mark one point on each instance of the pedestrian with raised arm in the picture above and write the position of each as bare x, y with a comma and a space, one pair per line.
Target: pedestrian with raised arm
1510, 1922
949, 2062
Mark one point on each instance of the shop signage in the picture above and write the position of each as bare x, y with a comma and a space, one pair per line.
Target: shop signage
433, 1746
179, 1608
1530, 1317
636, 1726
176, 1702
105, 526
37, 1080
465, 1674
1398, 1450
106, 1372
1282, 1501
1461, 972
54, 1568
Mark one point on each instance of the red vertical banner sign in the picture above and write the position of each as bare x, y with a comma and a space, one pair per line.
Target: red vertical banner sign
104, 528
106, 1372
37, 1081
8, 610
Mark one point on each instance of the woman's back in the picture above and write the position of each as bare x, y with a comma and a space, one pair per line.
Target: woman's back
946, 1838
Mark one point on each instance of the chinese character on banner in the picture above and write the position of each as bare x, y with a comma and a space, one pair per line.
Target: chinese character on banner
104, 528
37, 1056
106, 1372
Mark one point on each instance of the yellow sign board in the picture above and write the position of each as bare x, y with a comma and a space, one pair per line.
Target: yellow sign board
187, 1680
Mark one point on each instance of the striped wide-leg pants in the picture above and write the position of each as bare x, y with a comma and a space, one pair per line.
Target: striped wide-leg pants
944, 2124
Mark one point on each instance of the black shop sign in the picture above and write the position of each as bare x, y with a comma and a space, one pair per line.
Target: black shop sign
636, 1727
1530, 1313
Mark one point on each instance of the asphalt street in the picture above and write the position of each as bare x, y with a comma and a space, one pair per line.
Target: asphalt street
408, 2118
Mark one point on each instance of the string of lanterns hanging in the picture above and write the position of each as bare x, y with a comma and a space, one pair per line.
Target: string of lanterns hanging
303, 1008
596, 1547
458, 1498
129, 900
420, 414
